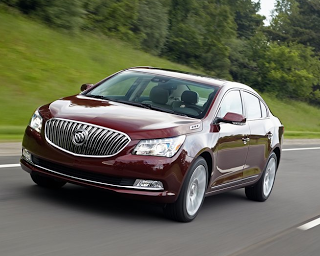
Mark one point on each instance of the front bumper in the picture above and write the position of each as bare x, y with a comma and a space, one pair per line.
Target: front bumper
155, 196
117, 173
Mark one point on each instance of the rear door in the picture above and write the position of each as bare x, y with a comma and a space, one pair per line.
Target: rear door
261, 133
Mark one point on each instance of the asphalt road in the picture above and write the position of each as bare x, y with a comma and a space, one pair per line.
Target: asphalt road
81, 221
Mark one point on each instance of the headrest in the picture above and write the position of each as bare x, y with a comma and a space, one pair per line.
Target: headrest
159, 95
169, 86
190, 97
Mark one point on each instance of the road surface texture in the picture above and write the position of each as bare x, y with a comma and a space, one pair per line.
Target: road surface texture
81, 221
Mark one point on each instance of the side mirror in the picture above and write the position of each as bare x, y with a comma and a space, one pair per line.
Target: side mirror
85, 87
231, 118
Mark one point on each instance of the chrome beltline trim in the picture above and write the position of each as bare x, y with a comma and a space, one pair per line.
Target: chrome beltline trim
81, 155
96, 182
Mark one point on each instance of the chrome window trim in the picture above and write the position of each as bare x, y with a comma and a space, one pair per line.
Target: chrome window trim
261, 100
224, 96
94, 125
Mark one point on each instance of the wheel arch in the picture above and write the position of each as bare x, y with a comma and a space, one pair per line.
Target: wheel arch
209, 160
277, 151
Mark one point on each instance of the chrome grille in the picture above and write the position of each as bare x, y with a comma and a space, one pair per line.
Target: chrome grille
98, 141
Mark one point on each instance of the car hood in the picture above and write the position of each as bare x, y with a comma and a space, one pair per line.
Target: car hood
138, 123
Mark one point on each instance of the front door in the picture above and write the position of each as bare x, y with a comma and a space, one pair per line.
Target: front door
232, 147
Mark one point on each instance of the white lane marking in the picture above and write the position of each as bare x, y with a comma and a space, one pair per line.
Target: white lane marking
9, 165
297, 149
310, 224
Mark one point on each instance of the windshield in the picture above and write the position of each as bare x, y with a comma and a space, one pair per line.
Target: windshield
155, 92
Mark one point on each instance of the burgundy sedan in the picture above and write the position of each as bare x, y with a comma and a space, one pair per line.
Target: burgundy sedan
158, 135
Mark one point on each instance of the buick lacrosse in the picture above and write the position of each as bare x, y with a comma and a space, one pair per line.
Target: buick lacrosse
158, 135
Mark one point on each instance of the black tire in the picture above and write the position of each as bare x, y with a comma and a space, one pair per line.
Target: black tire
178, 210
47, 182
256, 192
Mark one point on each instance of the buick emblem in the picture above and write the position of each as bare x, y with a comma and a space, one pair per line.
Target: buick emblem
79, 137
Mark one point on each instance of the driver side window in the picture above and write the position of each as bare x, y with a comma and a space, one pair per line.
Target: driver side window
231, 103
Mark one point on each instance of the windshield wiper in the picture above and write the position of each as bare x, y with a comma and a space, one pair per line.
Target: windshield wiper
96, 96
171, 111
148, 106
117, 100
137, 104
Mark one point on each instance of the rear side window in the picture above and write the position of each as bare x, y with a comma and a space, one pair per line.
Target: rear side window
231, 103
252, 104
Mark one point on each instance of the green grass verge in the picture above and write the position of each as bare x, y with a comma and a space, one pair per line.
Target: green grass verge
11, 133
300, 119
39, 64
302, 135
11, 137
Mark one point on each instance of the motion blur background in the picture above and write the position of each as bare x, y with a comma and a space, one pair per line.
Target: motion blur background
49, 48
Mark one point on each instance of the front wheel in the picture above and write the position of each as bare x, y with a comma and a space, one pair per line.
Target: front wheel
262, 189
187, 206
47, 182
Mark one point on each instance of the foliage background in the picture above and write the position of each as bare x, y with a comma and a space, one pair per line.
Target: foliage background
90, 39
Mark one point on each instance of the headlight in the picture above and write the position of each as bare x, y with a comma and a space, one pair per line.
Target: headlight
159, 147
36, 121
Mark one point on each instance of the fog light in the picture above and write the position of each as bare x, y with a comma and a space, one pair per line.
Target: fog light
155, 184
26, 155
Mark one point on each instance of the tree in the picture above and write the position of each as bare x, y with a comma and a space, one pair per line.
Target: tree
247, 59
288, 70
246, 17
220, 27
152, 24
296, 21
63, 14
197, 35
58, 13
112, 17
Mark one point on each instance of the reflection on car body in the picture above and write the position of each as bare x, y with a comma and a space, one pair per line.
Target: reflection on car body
157, 135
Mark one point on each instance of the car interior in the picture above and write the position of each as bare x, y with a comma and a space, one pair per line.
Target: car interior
180, 96
177, 97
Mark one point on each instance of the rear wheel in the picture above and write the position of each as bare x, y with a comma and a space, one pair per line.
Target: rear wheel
262, 189
47, 182
191, 197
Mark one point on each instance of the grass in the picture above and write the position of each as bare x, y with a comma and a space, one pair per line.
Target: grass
11, 133
300, 119
39, 64
302, 135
